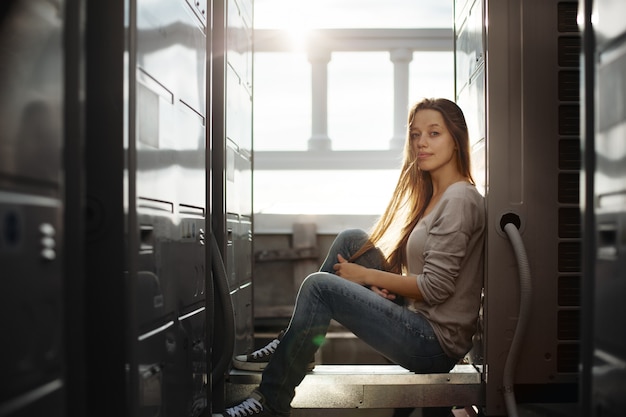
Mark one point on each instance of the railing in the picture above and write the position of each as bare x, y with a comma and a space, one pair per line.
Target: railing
319, 44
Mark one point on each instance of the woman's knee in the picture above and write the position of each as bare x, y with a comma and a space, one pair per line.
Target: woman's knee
351, 238
353, 234
314, 281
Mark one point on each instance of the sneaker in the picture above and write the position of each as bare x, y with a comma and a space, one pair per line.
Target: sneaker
252, 406
258, 360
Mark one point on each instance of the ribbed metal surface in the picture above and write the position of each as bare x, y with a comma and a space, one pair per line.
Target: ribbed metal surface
569, 154
568, 322
569, 184
569, 119
569, 290
567, 13
569, 165
569, 256
569, 85
569, 222
568, 358
569, 51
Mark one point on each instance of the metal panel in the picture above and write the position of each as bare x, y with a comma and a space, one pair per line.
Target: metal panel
472, 100
238, 112
233, 169
108, 324
31, 291
244, 330
48, 399
172, 271
171, 206
243, 246
156, 294
171, 104
608, 392
31, 208
171, 47
194, 326
239, 41
528, 107
146, 188
230, 258
470, 51
32, 85
172, 366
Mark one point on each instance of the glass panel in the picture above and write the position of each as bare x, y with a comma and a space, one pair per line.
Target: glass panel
431, 74
282, 101
353, 14
360, 100
323, 192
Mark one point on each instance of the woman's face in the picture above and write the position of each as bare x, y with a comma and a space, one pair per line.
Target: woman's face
432, 143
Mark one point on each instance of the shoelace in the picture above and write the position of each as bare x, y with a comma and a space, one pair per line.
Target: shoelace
246, 408
267, 350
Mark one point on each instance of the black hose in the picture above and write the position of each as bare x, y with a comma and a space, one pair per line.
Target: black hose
223, 294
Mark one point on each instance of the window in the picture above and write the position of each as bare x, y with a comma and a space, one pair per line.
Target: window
359, 116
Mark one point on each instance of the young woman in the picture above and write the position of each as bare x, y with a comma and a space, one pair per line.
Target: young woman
411, 289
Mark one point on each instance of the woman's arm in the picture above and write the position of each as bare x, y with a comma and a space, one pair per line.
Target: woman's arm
384, 283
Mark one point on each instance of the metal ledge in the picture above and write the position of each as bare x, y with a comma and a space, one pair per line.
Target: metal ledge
373, 386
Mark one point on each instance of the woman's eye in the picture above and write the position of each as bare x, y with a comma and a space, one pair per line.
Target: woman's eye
434, 133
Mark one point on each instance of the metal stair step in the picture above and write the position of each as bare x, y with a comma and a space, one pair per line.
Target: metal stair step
373, 386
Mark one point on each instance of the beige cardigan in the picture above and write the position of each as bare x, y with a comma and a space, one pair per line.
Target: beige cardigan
445, 253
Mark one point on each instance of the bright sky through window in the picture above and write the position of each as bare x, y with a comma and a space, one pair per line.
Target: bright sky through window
285, 14
360, 100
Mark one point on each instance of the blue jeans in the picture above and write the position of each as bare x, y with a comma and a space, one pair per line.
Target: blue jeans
404, 337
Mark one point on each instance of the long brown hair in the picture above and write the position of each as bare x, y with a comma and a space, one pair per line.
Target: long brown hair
414, 189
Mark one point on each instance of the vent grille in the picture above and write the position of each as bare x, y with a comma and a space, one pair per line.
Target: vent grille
568, 358
569, 291
569, 227
569, 324
569, 51
569, 86
569, 188
569, 256
569, 120
569, 154
569, 222
568, 13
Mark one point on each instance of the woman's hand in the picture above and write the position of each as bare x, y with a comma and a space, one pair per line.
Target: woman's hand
350, 271
357, 273
383, 292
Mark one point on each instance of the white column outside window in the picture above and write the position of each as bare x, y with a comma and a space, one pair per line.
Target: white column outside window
319, 140
401, 59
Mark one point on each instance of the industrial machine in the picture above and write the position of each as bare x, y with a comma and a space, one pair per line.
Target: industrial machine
518, 73
113, 114
32, 233
603, 356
